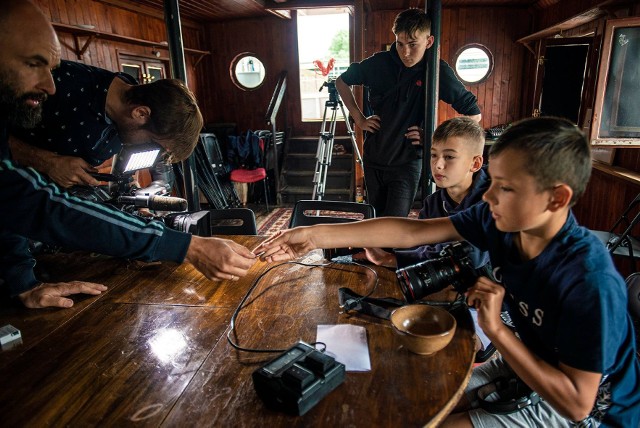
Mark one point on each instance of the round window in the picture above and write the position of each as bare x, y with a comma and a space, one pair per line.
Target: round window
474, 63
247, 71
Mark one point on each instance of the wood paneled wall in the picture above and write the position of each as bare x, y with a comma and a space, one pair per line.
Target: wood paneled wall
273, 41
276, 45
108, 19
497, 28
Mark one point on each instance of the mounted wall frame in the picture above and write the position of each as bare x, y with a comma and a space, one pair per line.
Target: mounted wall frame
615, 115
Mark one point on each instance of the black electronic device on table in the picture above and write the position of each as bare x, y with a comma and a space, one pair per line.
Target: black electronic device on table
496, 131
298, 379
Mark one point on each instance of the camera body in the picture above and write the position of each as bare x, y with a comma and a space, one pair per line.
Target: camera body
170, 210
455, 267
333, 91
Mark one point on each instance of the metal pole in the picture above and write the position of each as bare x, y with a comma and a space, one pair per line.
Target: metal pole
434, 10
179, 71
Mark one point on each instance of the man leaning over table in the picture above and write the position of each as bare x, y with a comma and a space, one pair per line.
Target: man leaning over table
32, 207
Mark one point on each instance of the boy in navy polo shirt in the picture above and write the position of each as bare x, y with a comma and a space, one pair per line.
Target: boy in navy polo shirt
576, 345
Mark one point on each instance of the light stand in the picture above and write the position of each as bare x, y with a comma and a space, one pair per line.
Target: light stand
325, 142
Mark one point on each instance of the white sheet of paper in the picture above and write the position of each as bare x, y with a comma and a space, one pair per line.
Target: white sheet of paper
483, 337
346, 343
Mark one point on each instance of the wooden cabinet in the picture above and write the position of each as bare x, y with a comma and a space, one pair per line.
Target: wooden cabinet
145, 70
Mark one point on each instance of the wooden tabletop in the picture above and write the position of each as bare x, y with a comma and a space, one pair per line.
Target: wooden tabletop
153, 350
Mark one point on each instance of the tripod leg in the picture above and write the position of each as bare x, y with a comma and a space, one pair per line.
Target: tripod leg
319, 177
356, 151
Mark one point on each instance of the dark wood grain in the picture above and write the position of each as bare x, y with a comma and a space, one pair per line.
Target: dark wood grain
153, 349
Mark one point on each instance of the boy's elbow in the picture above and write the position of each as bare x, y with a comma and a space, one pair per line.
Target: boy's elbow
577, 410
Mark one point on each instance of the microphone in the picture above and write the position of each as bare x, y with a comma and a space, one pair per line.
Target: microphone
155, 202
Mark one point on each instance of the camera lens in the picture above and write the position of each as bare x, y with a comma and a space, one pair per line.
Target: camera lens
427, 277
454, 268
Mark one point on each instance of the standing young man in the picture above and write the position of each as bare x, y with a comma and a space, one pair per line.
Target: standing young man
395, 79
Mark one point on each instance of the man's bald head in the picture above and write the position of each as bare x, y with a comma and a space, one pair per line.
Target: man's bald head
29, 49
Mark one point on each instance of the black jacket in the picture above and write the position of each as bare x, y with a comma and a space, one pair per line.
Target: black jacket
396, 94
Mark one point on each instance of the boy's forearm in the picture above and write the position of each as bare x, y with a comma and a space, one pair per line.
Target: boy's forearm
572, 393
384, 232
349, 100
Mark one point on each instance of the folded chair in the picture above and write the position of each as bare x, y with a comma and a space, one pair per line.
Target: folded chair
633, 291
310, 212
623, 243
233, 221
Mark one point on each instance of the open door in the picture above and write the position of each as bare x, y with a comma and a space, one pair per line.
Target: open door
562, 67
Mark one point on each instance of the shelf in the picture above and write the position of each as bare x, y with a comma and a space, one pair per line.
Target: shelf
624, 174
91, 35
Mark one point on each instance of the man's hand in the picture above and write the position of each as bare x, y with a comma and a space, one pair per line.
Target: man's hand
68, 171
414, 134
369, 124
53, 294
219, 259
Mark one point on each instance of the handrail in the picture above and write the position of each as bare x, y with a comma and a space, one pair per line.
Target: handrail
270, 117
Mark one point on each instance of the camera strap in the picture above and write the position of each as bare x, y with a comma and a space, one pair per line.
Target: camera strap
352, 301
379, 307
512, 395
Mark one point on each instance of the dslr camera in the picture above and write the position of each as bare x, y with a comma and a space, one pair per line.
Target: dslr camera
454, 267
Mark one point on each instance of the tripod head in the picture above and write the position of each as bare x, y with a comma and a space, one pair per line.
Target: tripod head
334, 96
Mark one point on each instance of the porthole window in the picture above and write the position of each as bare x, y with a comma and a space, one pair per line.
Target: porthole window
473, 63
247, 71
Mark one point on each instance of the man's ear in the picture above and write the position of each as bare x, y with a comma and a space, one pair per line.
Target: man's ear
141, 114
561, 196
477, 163
430, 41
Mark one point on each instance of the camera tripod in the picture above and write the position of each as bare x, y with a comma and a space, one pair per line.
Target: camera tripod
325, 142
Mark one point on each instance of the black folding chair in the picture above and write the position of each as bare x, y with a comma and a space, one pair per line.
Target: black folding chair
623, 244
310, 212
233, 221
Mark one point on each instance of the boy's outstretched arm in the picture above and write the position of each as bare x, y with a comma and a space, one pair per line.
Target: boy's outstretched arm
570, 391
380, 232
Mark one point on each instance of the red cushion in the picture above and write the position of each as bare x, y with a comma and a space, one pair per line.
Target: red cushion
248, 175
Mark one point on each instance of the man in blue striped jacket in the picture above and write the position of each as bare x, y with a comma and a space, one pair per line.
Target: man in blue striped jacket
33, 207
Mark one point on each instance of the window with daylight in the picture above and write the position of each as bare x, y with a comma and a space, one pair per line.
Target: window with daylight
323, 49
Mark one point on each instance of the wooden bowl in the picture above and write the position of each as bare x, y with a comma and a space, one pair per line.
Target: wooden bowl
423, 329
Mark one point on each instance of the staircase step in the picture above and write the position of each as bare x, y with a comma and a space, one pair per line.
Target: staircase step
310, 144
292, 194
307, 161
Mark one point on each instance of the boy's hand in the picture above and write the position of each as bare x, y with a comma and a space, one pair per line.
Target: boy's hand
377, 256
286, 245
370, 124
486, 296
414, 134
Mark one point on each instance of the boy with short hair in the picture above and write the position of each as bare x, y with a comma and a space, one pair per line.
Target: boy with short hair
576, 346
456, 166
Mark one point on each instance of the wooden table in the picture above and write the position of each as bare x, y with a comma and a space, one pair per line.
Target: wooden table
153, 350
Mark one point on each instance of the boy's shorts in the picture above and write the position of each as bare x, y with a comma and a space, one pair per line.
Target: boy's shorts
535, 415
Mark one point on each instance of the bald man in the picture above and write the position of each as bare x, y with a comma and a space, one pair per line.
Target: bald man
32, 207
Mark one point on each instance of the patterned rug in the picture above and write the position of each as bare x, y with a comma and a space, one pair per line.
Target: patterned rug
278, 219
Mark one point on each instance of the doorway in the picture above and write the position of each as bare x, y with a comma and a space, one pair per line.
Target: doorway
565, 65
